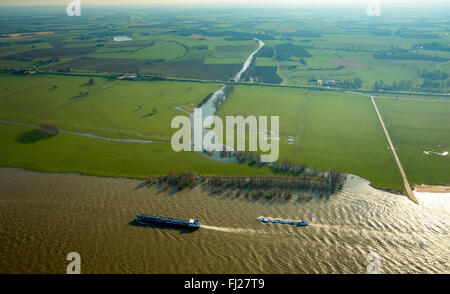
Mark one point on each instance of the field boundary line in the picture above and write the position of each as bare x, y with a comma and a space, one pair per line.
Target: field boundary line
409, 192
412, 99
395, 98
104, 87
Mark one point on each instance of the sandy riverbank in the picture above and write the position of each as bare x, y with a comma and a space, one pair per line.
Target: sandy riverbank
432, 189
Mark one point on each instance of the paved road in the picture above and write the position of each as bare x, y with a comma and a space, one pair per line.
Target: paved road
409, 192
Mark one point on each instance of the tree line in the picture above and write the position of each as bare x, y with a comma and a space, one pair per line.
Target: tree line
255, 187
430, 80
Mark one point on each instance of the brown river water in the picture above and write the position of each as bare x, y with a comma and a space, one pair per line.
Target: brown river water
46, 216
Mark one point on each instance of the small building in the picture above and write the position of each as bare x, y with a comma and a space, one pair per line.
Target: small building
128, 77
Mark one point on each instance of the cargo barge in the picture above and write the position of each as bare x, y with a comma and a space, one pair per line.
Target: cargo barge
299, 223
145, 219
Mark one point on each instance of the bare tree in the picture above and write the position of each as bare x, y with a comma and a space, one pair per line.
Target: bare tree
49, 127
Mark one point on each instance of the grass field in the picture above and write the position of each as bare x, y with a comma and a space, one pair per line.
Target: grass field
69, 153
336, 130
160, 50
363, 65
124, 109
415, 127
332, 130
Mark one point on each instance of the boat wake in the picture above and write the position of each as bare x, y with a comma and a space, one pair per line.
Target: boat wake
228, 230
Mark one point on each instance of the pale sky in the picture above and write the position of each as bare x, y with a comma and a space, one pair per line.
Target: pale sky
255, 3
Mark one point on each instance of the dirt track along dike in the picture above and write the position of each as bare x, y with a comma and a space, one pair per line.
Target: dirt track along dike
409, 192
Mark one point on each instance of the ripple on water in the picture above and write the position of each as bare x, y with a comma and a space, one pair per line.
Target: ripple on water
95, 216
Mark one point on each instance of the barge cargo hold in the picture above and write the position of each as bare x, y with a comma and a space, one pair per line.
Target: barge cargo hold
145, 219
299, 223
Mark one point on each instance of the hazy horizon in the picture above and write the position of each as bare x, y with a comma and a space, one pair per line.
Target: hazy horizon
223, 3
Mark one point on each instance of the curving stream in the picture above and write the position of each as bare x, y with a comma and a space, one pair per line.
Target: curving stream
209, 108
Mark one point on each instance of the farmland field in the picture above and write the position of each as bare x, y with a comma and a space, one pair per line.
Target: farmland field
68, 153
335, 130
418, 128
397, 59
125, 109
159, 50
202, 47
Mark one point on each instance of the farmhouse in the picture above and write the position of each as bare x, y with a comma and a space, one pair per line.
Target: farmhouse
321, 83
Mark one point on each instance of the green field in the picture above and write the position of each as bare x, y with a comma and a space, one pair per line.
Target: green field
160, 50
331, 129
415, 127
204, 46
124, 109
357, 64
70, 153
337, 131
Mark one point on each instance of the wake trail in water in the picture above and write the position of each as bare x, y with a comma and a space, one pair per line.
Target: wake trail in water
228, 230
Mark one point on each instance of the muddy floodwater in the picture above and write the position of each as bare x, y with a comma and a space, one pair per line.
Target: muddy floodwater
43, 217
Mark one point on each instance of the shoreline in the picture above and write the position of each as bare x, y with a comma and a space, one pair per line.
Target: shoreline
143, 179
438, 189
389, 190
